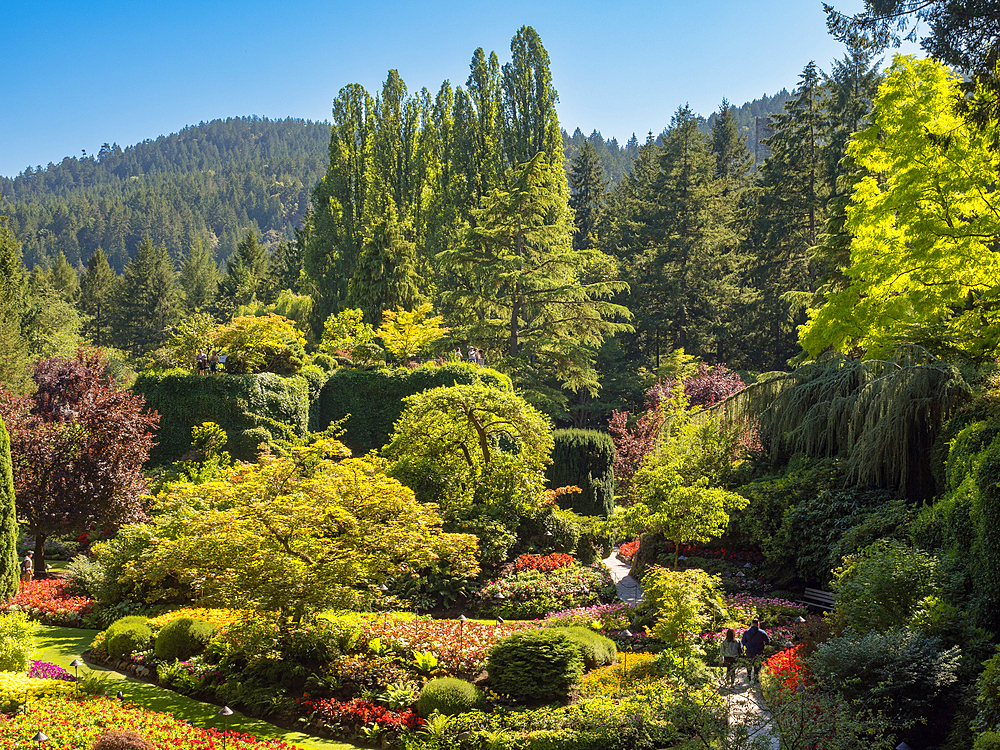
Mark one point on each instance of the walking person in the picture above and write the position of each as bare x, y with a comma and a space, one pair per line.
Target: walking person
27, 566
731, 650
754, 641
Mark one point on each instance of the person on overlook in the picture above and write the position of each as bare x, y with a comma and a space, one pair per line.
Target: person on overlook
202, 359
731, 650
754, 641
213, 362
458, 353
472, 356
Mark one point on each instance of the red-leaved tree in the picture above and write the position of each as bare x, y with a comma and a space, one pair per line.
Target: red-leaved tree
77, 447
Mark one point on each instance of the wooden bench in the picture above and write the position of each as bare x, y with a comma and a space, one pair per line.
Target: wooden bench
817, 598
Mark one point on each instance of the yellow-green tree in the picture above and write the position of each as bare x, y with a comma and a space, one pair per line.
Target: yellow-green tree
310, 530
925, 221
261, 344
405, 334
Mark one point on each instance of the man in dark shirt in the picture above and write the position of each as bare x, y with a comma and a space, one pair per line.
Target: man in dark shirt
754, 640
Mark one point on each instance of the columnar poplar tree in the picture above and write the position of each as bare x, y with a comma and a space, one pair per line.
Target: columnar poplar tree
9, 568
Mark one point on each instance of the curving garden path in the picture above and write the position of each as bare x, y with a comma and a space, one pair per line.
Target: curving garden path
62, 645
629, 589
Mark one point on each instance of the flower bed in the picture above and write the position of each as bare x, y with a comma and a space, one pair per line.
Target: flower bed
15, 686
351, 716
788, 671
532, 594
74, 724
543, 563
459, 648
218, 617
744, 607
49, 601
43, 670
629, 549
615, 616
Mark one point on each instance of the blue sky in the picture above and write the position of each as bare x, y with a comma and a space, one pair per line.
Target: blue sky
78, 74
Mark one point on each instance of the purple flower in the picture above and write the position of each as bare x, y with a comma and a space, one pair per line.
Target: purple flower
43, 670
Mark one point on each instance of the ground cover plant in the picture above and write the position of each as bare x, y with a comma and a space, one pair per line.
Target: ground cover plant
51, 601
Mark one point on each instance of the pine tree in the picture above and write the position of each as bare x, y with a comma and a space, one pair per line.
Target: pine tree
97, 290
588, 186
9, 563
199, 278
148, 303
246, 274
386, 275
733, 160
64, 279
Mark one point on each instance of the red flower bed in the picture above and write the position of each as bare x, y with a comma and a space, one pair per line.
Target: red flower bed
543, 563
788, 669
629, 549
359, 712
49, 600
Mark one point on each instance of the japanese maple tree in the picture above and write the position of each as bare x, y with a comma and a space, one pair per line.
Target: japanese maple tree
77, 444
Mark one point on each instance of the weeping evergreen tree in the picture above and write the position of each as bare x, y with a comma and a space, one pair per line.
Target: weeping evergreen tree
880, 416
9, 570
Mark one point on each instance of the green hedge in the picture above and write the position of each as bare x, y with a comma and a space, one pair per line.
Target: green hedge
374, 398
536, 665
241, 404
584, 458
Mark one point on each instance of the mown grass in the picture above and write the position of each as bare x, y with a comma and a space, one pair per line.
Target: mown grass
63, 645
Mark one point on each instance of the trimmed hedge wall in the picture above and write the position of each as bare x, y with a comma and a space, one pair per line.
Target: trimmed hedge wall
374, 398
585, 458
239, 404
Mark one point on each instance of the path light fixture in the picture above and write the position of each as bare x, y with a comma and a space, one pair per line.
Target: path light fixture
628, 634
462, 619
741, 574
383, 589
225, 712
500, 620
121, 696
39, 738
902, 746
76, 664
746, 565
800, 620
681, 558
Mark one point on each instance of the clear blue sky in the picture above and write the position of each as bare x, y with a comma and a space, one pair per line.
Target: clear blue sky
79, 74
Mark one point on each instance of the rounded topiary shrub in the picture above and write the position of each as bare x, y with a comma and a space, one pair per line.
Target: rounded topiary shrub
595, 649
183, 638
127, 635
538, 665
114, 740
449, 696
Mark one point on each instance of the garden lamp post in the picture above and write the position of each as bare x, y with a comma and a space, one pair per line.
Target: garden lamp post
385, 606
39, 738
628, 634
121, 696
462, 619
76, 664
225, 712
499, 598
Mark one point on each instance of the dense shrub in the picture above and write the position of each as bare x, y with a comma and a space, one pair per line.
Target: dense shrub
183, 638
237, 403
537, 665
374, 398
988, 695
986, 517
900, 672
16, 642
585, 459
879, 588
595, 649
449, 696
128, 635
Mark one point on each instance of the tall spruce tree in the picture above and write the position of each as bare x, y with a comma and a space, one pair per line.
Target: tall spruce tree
588, 186
199, 278
149, 302
246, 275
9, 563
97, 290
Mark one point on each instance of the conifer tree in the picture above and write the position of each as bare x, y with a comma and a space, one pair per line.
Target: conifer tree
588, 186
199, 278
733, 160
64, 279
13, 346
148, 303
9, 563
97, 296
246, 274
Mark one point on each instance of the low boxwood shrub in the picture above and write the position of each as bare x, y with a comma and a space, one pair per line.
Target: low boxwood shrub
449, 696
537, 665
183, 638
596, 650
127, 635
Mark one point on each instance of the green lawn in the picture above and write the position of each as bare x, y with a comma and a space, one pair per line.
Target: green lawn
62, 645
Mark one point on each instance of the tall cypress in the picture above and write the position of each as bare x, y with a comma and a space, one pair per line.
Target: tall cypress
9, 568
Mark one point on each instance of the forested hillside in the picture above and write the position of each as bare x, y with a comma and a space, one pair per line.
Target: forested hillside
207, 184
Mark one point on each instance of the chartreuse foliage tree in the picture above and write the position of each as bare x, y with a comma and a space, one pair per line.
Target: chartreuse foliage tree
9, 570
346, 331
261, 344
677, 490
405, 334
488, 444
301, 532
923, 267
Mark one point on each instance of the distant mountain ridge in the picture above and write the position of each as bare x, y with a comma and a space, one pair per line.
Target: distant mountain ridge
210, 183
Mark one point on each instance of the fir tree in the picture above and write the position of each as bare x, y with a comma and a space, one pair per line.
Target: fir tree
247, 271
587, 183
199, 278
148, 303
97, 296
